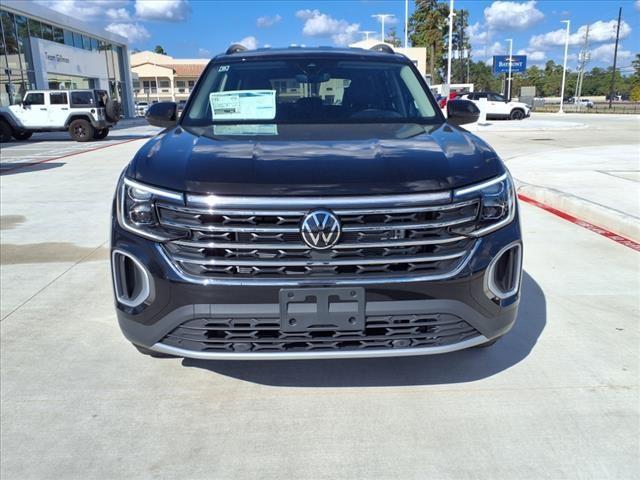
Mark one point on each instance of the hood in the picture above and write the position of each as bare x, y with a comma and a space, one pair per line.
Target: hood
314, 159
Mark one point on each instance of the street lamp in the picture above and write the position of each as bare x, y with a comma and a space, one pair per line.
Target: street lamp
366, 33
564, 66
510, 40
383, 17
451, 15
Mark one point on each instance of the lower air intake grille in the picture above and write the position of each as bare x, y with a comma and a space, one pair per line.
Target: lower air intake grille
264, 334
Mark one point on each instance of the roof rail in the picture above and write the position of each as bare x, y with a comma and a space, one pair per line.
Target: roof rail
382, 47
235, 48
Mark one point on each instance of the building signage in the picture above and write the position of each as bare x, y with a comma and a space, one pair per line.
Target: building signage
56, 58
501, 63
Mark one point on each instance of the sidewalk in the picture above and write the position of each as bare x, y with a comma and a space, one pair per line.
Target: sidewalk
588, 168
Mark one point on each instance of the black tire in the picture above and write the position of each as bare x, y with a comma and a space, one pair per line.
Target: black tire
5, 131
152, 353
516, 114
22, 135
113, 110
100, 134
81, 130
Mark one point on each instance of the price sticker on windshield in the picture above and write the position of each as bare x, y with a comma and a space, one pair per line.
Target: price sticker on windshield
243, 105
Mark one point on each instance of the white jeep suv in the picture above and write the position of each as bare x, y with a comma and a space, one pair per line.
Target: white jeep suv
85, 114
499, 107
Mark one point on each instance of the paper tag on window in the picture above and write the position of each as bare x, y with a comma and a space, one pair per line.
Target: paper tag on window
243, 105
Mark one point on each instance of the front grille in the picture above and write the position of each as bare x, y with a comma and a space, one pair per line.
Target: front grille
259, 242
264, 334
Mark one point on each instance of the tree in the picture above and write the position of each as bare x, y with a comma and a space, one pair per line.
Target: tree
482, 77
460, 43
392, 37
636, 69
428, 28
160, 50
635, 94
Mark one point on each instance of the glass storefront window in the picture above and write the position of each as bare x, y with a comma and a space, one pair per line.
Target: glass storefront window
77, 40
58, 35
35, 27
11, 41
24, 46
47, 32
94, 44
86, 42
68, 38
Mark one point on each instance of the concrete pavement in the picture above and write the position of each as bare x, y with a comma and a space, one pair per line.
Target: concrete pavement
556, 398
591, 172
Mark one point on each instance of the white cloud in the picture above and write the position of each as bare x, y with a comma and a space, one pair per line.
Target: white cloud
604, 53
120, 14
317, 24
204, 53
637, 4
250, 42
512, 15
267, 21
496, 49
388, 20
81, 9
167, 10
133, 32
476, 33
598, 32
533, 55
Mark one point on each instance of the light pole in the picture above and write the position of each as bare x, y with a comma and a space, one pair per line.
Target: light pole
564, 65
382, 17
406, 23
366, 33
510, 40
451, 15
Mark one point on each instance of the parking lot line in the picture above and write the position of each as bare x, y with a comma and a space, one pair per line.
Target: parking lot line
583, 223
30, 164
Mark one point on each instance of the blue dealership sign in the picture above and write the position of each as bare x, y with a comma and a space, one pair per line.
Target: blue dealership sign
501, 63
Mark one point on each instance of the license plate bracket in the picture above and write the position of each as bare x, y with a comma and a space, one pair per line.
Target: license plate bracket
318, 309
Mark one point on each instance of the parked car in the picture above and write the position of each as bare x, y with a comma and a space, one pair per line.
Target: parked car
141, 108
583, 102
443, 100
181, 105
85, 114
348, 218
498, 107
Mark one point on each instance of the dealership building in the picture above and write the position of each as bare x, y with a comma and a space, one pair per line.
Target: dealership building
43, 49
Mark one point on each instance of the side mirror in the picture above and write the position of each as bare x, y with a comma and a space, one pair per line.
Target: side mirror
461, 112
24, 103
162, 114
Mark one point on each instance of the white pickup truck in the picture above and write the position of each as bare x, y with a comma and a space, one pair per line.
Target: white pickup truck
85, 114
498, 106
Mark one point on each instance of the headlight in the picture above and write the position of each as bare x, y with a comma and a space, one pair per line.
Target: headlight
136, 210
497, 204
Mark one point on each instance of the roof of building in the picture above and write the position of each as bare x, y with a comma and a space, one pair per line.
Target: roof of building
187, 69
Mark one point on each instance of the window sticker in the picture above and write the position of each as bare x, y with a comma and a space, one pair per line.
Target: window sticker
243, 105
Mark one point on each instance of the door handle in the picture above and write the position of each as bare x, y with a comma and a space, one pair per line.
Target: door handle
64, 108
43, 109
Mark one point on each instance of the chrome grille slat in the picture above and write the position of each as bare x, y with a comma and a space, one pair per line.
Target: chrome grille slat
378, 239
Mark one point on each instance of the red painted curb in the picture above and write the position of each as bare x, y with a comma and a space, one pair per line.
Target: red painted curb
30, 164
583, 223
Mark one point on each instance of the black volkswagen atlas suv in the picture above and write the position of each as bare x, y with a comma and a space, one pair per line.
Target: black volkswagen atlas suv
314, 203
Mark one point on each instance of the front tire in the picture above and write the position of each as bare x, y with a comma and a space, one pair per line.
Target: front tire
516, 114
81, 130
100, 134
22, 135
5, 131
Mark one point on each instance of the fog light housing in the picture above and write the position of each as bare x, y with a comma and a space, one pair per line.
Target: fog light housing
503, 275
132, 282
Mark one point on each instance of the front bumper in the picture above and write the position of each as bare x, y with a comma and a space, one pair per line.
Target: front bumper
461, 300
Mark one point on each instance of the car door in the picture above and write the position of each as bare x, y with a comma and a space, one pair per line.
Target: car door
58, 108
497, 105
34, 110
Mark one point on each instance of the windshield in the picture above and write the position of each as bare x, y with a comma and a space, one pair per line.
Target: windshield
301, 91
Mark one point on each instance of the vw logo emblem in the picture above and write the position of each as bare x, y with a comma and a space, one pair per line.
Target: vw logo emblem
320, 229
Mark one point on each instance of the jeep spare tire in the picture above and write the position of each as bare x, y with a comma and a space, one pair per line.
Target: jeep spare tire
113, 110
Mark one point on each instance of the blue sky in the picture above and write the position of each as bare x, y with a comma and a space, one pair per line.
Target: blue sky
202, 28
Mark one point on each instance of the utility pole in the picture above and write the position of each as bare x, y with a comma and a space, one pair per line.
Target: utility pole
451, 15
615, 58
564, 67
461, 45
